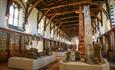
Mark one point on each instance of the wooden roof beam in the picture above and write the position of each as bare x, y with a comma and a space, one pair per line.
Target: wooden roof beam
50, 20
65, 18
33, 6
71, 25
43, 15
70, 21
72, 34
66, 4
92, 14
71, 29
71, 4
66, 12
23, 4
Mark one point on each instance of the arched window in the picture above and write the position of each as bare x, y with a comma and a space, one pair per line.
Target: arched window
14, 15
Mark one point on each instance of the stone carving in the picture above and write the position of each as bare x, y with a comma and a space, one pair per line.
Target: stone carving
97, 53
77, 56
31, 53
90, 58
68, 53
72, 56
46, 52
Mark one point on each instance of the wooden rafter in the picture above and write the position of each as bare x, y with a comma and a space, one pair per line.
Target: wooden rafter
71, 25
71, 4
43, 15
63, 5
71, 33
57, 27
70, 22
50, 20
92, 14
33, 6
65, 18
53, 25
104, 11
60, 25
62, 13
22, 4
71, 29
44, 3
54, 2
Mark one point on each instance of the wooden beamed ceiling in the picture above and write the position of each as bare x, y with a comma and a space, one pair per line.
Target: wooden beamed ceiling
65, 13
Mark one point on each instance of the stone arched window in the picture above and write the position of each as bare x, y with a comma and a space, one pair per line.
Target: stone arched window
15, 16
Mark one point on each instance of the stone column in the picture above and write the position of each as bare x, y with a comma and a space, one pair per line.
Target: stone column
81, 33
88, 32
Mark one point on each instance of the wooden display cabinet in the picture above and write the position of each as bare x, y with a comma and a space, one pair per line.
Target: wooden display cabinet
3, 46
12, 43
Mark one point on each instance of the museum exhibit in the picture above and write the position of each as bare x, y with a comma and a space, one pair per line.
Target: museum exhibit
57, 34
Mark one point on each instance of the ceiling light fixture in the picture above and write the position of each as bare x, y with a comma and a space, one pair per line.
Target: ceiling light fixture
26, 0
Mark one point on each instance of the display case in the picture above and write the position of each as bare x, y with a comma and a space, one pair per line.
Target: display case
3, 46
12, 43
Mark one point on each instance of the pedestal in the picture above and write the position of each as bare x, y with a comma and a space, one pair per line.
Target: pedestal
30, 64
83, 66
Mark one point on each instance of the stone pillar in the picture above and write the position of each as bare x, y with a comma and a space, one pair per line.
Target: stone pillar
88, 32
81, 33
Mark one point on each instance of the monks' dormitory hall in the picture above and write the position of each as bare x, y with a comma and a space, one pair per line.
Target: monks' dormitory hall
57, 34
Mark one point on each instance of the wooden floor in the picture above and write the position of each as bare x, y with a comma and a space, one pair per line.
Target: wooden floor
53, 66
4, 66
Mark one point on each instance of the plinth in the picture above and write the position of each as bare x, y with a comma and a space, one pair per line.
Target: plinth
83, 66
